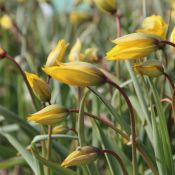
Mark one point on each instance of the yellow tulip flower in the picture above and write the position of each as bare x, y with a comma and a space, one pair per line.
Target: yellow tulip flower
151, 68
39, 86
109, 6
76, 73
57, 54
133, 46
154, 25
49, 115
84, 155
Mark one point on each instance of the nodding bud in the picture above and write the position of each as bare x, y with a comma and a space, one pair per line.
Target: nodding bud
39, 86
151, 68
76, 73
49, 115
81, 156
133, 46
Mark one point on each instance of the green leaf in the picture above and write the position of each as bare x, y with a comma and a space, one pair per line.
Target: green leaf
9, 163
12, 117
25, 154
39, 138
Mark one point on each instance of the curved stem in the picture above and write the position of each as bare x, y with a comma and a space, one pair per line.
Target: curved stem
103, 121
125, 136
24, 78
132, 119
169, 79
117, 157
167, 42
49, 144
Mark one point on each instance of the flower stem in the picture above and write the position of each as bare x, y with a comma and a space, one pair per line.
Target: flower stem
169, 79
167, 42
132, 119
10, 58
118, 26
49, 144
117, 157
124, 135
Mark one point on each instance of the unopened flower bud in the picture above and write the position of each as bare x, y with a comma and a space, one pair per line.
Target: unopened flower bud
152, 68
133, 46
81, 156
39, 86
57, 54
49, 115
77, 73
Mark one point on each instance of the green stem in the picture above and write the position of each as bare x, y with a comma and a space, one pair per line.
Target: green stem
24, 78
49, 144
169, 79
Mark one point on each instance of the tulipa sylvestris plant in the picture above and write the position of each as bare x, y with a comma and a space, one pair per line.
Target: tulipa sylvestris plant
86, 113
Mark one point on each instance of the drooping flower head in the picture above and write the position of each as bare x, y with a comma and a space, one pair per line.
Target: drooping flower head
49, 115
151, 68
39, 86
78, 73
133, 46
154, 25
81, 156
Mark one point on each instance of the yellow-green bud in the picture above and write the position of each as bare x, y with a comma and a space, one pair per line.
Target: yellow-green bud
39, 86
152, 68
81, 156
49, 115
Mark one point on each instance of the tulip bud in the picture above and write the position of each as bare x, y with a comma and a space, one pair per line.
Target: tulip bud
154, 25
6, 22
81, 156
133, 46
57, 54
39, 86
152, 68
109, 6
59, 129
49, 115
75, 53
80, 74
90, 55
